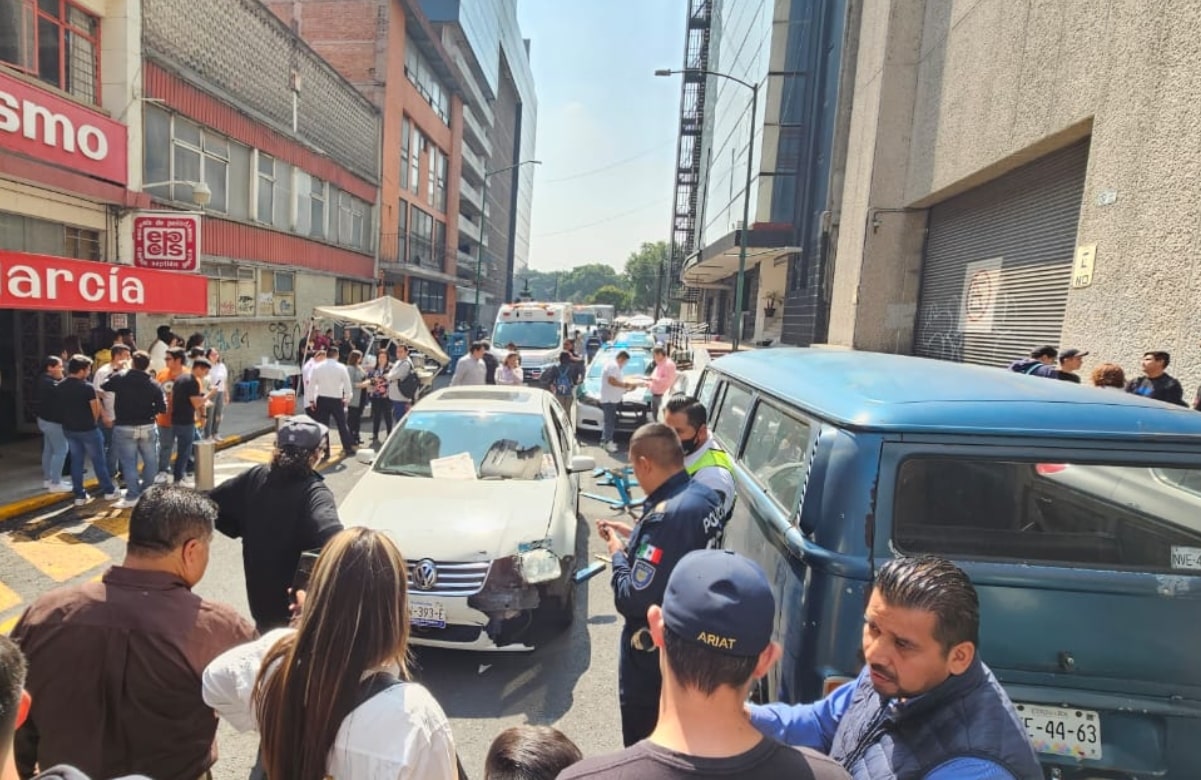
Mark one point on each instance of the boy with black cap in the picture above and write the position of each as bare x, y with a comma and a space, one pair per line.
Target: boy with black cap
1040, 363
714, 633
1071, 361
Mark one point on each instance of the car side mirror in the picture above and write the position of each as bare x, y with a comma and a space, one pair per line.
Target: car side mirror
579, 463
365, 456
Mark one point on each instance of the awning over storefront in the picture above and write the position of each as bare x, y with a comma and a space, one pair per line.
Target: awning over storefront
29, 281
467, 295
719, 260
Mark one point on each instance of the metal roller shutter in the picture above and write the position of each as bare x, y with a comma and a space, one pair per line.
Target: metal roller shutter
998, 263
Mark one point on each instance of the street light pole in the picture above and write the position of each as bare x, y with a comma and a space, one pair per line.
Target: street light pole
744, 235
479, 260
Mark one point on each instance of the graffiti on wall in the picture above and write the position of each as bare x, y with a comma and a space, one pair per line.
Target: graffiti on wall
285, 340
227, 340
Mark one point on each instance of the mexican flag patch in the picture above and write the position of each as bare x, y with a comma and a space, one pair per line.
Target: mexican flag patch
649, 552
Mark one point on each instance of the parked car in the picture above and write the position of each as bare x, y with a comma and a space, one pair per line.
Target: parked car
633, 339
635, 405
1073, 510
479, 486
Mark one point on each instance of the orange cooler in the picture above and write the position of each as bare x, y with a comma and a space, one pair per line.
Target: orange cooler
281, 403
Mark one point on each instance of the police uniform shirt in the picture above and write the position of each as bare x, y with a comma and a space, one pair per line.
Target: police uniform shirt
682, 515
721, 480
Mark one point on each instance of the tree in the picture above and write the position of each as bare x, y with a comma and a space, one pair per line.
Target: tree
642, 274
611, 295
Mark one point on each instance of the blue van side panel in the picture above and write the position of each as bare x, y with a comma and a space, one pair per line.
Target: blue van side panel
810, 653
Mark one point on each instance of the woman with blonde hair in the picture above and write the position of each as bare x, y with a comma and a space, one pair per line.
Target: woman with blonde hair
331, 698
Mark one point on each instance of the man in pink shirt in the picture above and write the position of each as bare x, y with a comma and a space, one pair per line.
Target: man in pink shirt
662, 378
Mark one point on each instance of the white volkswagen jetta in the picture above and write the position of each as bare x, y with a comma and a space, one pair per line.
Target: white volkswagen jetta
479, 488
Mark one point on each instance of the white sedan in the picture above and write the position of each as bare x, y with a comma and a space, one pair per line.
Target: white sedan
479, 488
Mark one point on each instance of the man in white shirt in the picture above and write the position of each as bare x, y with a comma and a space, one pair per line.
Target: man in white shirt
331, 390
306, 377
613, 388
401, 370
158, 350
470, 370
118, 361
704, 460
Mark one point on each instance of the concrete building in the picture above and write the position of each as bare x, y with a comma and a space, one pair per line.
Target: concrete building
792, 52
500, 120
391, 53
1023, 173
290, 153
112, 114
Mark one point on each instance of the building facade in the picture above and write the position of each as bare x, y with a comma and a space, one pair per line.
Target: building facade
390, 52
792, 53
290, 153
1043, 194
500, 123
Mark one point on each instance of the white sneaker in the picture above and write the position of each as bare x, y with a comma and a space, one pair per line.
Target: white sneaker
116, 495
83, 501
46, 484
59, 487
125, 503
162, 478
187, 482
611, 446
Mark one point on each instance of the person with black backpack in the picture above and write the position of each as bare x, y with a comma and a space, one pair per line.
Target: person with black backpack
563, 378
403, 383
332, 697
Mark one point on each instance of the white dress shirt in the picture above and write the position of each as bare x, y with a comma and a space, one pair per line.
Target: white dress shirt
609, 393
470, 371
398, 734
330, 379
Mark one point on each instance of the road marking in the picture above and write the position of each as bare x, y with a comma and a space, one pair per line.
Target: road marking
8, 598
60, 556
114, 523
6, 627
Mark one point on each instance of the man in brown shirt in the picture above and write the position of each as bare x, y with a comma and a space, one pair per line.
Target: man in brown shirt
115, 666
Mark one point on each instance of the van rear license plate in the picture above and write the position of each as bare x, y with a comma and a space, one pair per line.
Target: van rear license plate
1062, 732
427, 614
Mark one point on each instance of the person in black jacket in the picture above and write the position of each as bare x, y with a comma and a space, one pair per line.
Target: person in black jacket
279, 511
138, 399
1156, 382
50, 423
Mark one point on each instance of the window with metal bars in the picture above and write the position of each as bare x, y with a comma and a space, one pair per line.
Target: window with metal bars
55, 41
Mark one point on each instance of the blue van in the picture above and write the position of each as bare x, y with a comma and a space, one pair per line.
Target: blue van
1075, 510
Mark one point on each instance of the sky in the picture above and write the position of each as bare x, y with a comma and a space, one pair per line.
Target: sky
606, 126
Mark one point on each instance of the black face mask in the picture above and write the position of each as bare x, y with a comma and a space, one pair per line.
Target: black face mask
691, 445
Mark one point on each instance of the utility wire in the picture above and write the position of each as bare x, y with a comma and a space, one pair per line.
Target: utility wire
635, 210
611, 165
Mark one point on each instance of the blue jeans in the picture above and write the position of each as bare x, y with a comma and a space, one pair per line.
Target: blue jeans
91, 444
167, 441
130, 441
110, 452
399, 409
54, 450
184, 436
609, 426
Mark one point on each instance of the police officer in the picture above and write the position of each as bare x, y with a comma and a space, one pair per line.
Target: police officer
704, 459
680, 515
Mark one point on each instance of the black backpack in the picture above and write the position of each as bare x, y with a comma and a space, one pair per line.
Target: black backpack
411, 383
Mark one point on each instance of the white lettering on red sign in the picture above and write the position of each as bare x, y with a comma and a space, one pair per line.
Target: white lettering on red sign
59, 131
25, 282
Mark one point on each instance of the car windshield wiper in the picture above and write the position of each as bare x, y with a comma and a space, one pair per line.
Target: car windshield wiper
403, 472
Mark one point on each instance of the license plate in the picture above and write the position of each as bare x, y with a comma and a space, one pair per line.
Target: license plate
427, 614
1062, 732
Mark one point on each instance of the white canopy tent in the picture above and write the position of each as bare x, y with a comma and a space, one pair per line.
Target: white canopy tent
388, 317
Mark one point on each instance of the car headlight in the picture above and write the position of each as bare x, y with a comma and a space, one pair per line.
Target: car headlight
587, 399
540, 566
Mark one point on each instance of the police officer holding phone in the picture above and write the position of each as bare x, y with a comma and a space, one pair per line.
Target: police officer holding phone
279, 511
680, 515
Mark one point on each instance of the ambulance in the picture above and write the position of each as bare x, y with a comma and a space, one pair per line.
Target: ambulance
538, 329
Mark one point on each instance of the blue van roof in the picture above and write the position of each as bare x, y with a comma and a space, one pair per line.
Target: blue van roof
876, 391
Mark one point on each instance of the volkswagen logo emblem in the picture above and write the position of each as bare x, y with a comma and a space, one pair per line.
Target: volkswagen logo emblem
425, 574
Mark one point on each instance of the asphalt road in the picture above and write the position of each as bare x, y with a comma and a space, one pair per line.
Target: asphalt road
569, 683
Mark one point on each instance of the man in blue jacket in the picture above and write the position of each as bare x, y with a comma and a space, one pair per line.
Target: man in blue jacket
925, 705
680, 515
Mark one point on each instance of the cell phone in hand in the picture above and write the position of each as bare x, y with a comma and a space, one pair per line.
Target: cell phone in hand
304, 569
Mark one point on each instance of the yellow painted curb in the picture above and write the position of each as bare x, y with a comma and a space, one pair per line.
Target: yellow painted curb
45, 500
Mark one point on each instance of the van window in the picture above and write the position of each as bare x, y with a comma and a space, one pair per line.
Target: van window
704, 390
1127, 517
731, 414
775, 453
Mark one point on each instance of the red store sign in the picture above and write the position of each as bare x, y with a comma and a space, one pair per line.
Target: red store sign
58, 284
53, 129
166, 240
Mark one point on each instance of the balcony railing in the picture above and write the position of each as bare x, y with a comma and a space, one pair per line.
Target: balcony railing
471, 195
393, 248
476, 129
472, 162
469, 228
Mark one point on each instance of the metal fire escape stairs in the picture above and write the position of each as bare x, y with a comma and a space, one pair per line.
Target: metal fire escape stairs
689, 150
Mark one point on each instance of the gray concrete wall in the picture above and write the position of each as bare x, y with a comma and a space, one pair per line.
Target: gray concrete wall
998, 83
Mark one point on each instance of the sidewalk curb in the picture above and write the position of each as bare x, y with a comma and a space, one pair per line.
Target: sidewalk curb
47, 500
